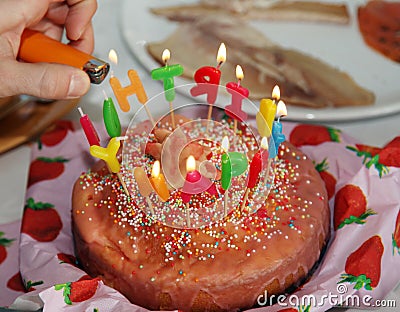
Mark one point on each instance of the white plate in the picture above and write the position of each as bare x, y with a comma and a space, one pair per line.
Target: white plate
339, 45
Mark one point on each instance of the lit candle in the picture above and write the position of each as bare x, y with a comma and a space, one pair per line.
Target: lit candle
266, 114
108, 154
167, 74
277, 134
122, 93
88, 128
239, 93
195, 183
226, 166
157, 180
256, 164
207, 78
111, 119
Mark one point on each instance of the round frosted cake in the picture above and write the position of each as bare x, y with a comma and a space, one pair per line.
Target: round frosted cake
221, 266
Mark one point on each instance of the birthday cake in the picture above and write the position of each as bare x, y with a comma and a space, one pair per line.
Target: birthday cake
200, 238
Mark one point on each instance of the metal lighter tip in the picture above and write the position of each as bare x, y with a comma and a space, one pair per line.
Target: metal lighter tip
97, 70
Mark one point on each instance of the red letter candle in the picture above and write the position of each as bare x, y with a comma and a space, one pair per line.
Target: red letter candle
88, 128
257, 163
208, 77
234, 110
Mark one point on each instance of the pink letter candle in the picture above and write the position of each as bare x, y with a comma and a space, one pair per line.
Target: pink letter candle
234, 110
88, 128
195, 183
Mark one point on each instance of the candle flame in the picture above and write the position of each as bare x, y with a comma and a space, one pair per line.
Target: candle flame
155, 171
113, 57
166, 55
221, 55
264, 143
239, 72
281, 109
225, 144
190, 164
276, 93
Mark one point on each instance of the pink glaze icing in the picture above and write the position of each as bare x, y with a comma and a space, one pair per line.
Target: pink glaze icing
233, 260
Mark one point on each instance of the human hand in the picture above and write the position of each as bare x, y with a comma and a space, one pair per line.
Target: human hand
44, 80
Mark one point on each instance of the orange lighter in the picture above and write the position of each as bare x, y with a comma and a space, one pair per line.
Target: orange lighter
35, 47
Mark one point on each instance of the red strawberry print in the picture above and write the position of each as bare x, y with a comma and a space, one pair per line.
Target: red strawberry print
78, 291
16, 283
396, 235
56, 133
43, 168
65, 258
41, 221
365, 151
363, 266
328, 178
390, 156
350, 206
4, 242
29, 285
313, 135
393, 143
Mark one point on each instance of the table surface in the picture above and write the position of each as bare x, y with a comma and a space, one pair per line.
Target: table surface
14, 164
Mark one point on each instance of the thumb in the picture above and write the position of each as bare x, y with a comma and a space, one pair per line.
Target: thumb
44, 80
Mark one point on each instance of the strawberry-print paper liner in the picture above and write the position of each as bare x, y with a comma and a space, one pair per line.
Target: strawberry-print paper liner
359, 261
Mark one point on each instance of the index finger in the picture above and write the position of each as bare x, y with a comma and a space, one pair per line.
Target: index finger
79, 17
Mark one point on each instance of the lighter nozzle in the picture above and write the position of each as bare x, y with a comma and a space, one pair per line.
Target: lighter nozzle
97, 70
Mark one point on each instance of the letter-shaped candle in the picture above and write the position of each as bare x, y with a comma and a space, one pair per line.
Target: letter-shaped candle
167, 74
158, 182
111, 119
143, 182
88, 128
266, 115
226, 166
234, 110
277, 134
108, 154
256, 164
208, 78
195, 183
122, 93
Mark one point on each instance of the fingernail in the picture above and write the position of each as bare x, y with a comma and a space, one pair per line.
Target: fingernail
78, 85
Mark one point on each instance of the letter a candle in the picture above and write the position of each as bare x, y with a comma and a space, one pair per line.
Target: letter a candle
207, 79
